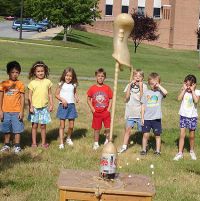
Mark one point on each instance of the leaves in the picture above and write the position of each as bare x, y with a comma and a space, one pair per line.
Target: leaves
64, 13
145, 28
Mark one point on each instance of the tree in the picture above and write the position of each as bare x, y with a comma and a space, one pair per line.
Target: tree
145, 28
10, 7
64, 13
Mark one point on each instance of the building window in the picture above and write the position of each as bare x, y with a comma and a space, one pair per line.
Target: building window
125, 6
140, 11
156, 8
141, 7
109, 7
124, 9
156, 12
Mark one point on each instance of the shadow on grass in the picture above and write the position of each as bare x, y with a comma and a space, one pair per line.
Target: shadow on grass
75, 38
186, 144
102, 138
8, 160
79, 133
137, 139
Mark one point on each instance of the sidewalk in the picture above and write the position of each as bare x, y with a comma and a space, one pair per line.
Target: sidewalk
48, 34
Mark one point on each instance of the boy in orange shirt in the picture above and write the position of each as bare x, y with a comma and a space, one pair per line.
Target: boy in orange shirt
12, 98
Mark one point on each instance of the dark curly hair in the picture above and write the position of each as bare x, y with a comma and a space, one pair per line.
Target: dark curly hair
74, 77
191, 78
38, 64
13, 65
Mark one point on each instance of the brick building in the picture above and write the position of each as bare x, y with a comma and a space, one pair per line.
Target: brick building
177, 19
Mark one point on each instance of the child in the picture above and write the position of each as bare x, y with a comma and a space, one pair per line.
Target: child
151, 112
66, 93
134, 91
188, 114
99, 100
40, 100
12, 106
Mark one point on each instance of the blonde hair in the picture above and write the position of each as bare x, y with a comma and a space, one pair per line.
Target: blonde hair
141, 72
154, 76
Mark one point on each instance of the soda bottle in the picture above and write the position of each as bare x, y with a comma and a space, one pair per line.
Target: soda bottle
108, 162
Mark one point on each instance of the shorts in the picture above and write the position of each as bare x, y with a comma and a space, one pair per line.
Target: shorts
130, 122
40, 116
155, 125
11, 123
68, 112
190, 123
99, 118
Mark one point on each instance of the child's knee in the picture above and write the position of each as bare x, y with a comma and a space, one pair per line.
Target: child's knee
42, 126
62, 126
35, 126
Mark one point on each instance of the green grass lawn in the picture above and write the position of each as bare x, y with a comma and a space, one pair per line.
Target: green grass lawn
32, 174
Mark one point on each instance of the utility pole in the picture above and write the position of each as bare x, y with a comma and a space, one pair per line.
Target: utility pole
21, 19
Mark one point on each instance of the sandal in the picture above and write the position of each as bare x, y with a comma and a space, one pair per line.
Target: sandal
34, 145
46, 145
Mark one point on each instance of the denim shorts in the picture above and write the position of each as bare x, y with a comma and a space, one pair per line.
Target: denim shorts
11, 123
68, 112
155, 125
190, 123
40, 116
130, 122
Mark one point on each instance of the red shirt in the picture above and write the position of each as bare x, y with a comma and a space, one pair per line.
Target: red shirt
101, 96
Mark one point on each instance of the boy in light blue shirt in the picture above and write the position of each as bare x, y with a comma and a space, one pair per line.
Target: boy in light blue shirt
151, 112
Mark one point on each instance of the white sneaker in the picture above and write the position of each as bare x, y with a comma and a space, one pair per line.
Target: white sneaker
106, 141
5, 148
193, 155
121, 150
17, 150
95, 146
178, 157
61, 146
69, 142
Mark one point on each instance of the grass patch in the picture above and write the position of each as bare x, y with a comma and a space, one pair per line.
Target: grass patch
95, 51
32, 175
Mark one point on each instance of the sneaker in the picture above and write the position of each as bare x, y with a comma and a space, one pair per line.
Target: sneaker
193, 155
16, 150
143, 153
121, 150
95, 146
69, 142
178, 157
157, 153
5, 148
61, 146
106, 141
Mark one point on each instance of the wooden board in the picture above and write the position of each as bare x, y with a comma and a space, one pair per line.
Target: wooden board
90, 182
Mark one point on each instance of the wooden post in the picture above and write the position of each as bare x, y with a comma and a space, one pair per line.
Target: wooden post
62, 195
114, 100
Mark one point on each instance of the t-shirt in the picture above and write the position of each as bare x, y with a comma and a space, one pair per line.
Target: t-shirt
12, 95
133, 106
40, 92
101, 96
67, 92
152, 104
188, 108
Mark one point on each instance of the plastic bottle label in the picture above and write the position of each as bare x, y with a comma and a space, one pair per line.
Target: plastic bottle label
108, 164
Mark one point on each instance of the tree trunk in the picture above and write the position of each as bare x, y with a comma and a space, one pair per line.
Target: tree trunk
135, 45
65, 34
